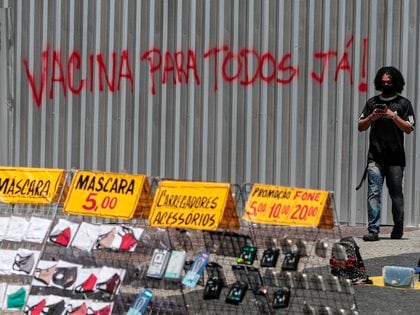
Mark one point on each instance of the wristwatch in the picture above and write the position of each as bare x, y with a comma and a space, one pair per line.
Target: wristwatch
395, 115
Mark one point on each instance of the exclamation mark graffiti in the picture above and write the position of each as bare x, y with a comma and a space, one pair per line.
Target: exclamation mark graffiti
363, 84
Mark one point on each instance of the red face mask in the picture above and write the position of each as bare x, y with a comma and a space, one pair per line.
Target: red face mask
88, 285
111, 285
62, 238
36, 309
103, 311
80, 310
128, 241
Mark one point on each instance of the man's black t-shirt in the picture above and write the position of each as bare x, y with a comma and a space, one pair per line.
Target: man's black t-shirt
386, 139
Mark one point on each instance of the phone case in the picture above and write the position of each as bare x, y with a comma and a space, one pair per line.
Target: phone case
281, 298
291, 261
237, 292
158, 263
213, 288
247, 255
175, 265
270, 257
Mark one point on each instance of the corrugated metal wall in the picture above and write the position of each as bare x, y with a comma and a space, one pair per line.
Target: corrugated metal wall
231, 91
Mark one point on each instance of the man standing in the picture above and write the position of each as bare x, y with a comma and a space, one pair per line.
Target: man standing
389, 116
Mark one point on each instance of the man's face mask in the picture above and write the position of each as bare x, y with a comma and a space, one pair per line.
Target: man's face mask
45, 275
35, 309
388, 89
16, 299
65, 276
111, 285
62, 238
24, 263
88, 285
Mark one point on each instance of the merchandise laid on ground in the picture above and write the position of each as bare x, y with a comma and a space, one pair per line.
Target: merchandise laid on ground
81, 242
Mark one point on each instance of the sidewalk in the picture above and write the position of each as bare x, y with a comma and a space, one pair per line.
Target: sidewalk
386, 251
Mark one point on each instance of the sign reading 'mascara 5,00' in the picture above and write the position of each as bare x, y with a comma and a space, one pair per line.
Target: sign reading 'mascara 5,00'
193, 205
29, 185
104, 194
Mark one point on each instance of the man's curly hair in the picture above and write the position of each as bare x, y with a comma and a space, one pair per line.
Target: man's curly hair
397, 79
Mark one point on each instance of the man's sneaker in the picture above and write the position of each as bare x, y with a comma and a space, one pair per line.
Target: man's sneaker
371, 237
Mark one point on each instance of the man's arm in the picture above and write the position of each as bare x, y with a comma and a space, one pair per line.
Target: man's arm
404, 125
365, 122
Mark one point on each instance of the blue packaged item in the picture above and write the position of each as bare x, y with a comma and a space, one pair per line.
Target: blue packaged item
197, 269
139, 306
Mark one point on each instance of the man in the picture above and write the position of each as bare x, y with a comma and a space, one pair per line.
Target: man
389, 116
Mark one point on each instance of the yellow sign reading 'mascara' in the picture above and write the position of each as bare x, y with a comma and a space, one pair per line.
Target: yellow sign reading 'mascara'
279, 205
29, 185
105, 194
194, 205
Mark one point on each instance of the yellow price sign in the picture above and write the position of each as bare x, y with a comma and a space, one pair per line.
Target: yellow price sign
193, 205
103, 194
29, 185
279, 205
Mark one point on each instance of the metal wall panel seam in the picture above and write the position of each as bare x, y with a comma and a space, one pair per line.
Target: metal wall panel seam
58, 101
69, 129
219, 101
178, 127
164, 93
265, 21
404, 70
149, 109
324, 101
11, 72
416, 182
354, 171
18, 74
191, 99
338, 156
249, 144
309, 99
234, 127
122, 167
294, 155
83, 97
96, 96
136, 118
110, 99
279, 98
43, 108
29, 135
206, 88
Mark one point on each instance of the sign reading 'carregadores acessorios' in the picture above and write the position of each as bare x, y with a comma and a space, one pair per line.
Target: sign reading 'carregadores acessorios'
104, 194
279, 205
29, 185
193, 205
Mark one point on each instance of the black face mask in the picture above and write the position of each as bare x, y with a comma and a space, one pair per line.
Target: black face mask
388, 89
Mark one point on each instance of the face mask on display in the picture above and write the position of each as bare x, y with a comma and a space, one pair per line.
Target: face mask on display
111, 285
62, 238
105, 240
55, 309
80, 310
65, 276
103, 311
128, 241
16, 299
88, 285
45, 275
35, 309
24, 263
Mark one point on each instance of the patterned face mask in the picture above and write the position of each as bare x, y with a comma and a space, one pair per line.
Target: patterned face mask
111, 285
65, 276
63, 238
88, 285
24, 263
45, 275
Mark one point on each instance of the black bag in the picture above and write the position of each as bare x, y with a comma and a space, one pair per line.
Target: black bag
347, 262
